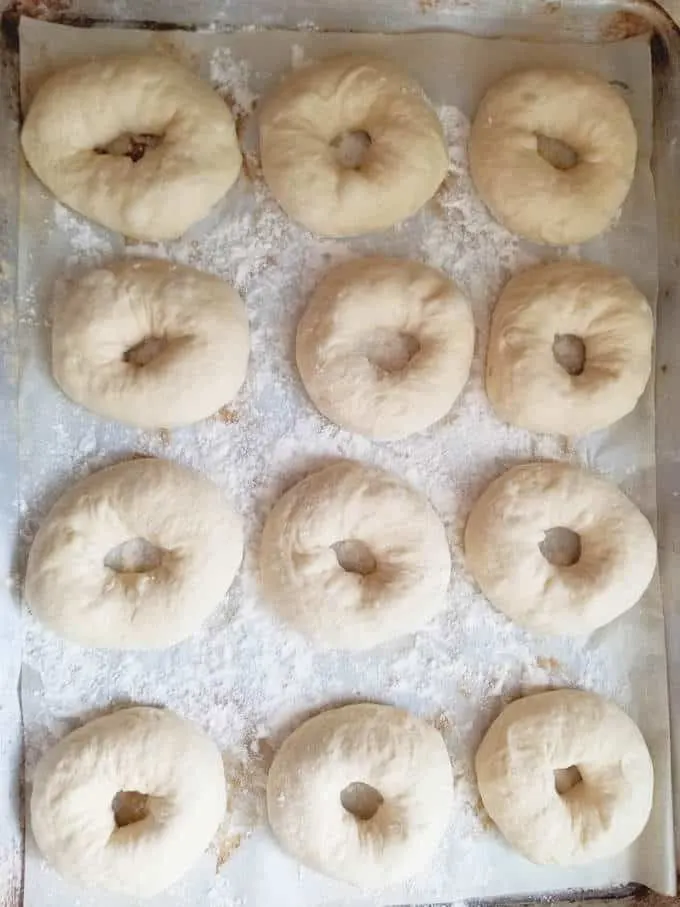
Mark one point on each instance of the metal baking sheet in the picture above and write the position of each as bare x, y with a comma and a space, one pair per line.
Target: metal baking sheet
170, 452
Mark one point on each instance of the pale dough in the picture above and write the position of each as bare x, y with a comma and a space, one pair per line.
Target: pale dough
385, 346
150, 751
137, 143
508, 524
199, 541
525, 192
317, 107
404, 759
538, 309
197, 320
535, 737
404, 568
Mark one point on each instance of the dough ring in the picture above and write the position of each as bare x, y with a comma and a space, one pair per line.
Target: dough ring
570, 349
150, 343
308, 125
566, 776
558, 549
198, 543
353, 557
128, 802
323, 815
137, 143
518, 121
385, 346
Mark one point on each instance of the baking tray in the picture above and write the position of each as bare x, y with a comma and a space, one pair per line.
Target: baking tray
552, 21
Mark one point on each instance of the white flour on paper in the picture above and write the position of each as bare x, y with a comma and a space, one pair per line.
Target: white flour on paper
245, 678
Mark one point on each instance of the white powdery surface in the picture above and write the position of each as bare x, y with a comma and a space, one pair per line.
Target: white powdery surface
246, 678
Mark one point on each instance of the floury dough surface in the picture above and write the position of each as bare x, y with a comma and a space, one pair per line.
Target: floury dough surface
346, 553
197, 324
391, 836
169, 183
531, 197
176, 766
245, 679
384, 346
351, 94
538, 311
566, 776
508, 548
197, 544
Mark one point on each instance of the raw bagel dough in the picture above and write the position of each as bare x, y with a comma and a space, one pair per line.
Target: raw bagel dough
81, 111
198, 319
523, 191
385, 748
536, 736
360, 318
526, 384
339, 608
316, 107
147, 750
509, 522
71, 590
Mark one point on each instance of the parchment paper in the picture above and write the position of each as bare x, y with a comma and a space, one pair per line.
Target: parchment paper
59, 443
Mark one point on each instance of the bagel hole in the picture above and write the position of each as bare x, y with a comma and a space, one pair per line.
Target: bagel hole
557, 153
131, 144
142, 353
570, 353
561, 547
351, 148
391, 351
134, 556
129, 806
566, 779
361, 800
354, 556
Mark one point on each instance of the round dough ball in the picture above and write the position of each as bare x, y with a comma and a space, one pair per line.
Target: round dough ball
308, 120
566, 776
137, 143
385, 346
518, 118
150, 343
558, 549
543, 313
176, 772
392, 544
198, 541
365, 744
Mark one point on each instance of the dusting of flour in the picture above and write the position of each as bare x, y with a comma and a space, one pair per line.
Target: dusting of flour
246, 678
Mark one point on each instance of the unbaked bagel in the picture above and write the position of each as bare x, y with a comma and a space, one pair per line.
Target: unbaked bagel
527, 571
306, 120
522, 189
353, 557
172, 776
539, 314
566, 776
198, 541
371, 839
136, 143
384, 346
151, 343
